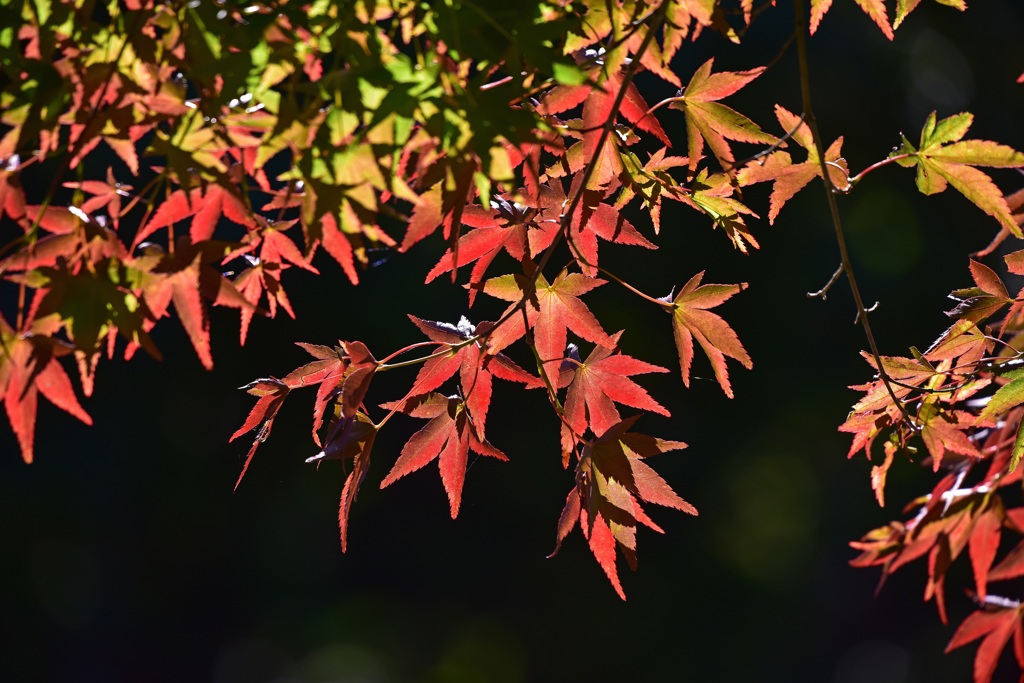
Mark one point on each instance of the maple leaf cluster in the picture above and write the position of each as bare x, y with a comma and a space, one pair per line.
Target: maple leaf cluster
957, 407
248, 142
527, 224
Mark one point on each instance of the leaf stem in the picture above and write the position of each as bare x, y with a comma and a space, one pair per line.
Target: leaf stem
415, 361
812, 123
382, 363
875, 166
648, 297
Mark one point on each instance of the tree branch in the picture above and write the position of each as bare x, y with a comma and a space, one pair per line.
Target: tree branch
833, 206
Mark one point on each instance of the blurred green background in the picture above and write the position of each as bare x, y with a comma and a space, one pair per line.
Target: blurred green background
126, 556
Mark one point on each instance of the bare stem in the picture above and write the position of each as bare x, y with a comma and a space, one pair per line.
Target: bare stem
812, 123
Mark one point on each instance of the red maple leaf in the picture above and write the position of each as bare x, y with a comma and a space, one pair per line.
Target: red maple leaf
204, 208
551, 310
995, 627
271, 393
29, 367
874, 9
651, 181
506, 225
595, 385
611, 480
342, 374
349, 438
105, 195
943, 430
325, 373
448, 437
186, 278
597, 102
476, 367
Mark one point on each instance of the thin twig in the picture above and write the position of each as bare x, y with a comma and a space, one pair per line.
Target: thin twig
823, 292
872, 309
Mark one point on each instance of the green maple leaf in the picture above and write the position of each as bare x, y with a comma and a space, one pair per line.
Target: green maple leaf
943, 158
713, 196
708, 121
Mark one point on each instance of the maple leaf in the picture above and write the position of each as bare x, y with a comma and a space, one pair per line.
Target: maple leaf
691, 319
105, 195
342, 373
597, 101
551, 310
186, 278
448, 437
29, 367
995, 627
1008, 396
713, 196
12, 195
476, 367
611, 480
271, 393
92, 303
875, 9
596, 384
905, 7
983, 300
984, 542
651, 181
251, 283
963, 342
505, 226
326, 373
349, 438
356, 382
713, 123
344, 236
204, 208
442, 205
1015, 264
943, 430
908, 372
790, 178
880, 472
592, 219
943, 158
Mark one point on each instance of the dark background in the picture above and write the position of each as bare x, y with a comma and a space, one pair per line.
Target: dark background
125, 556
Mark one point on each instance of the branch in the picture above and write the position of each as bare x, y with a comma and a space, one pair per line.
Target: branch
812, 123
